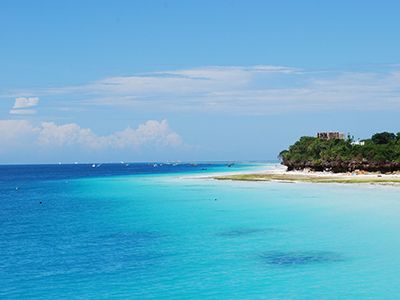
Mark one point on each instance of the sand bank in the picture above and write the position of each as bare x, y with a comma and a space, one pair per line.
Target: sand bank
281, 175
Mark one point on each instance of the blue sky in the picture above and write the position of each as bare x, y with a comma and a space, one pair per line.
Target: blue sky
103, 81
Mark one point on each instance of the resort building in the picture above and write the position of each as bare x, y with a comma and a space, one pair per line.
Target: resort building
330, 135
358, 143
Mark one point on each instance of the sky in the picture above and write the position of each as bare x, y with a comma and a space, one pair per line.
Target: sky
159, 80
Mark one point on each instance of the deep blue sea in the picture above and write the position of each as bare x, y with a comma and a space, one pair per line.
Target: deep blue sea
145, 232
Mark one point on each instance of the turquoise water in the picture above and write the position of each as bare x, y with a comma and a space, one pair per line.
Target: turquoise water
166, 236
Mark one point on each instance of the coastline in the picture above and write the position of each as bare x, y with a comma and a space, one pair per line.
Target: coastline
281, 175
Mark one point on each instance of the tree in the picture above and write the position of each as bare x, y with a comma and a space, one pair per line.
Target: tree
282, 154
398, 136
383, 138
382, 146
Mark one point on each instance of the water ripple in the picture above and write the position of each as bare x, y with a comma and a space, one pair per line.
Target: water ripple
246, 231
285, 258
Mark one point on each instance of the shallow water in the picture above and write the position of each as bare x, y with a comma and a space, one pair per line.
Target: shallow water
164, 236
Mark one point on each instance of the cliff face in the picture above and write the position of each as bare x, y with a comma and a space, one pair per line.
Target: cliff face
345, 166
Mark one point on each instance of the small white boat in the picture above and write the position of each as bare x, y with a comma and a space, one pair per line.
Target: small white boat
94, 165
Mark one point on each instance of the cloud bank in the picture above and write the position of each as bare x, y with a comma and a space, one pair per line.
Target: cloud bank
15, 132
257, 90
249, 90
152, 133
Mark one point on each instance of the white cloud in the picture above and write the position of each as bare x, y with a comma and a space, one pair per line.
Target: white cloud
152, 133
68, 134
240, 91
17, 132
23, 111
186, 81
250, 90
22, 102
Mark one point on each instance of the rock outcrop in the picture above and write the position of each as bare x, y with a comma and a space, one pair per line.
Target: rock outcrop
345, 166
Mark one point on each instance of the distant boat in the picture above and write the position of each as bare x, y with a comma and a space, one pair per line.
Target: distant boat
94, 165
122, 162
59, 163
127, 165
76, 163
98, 165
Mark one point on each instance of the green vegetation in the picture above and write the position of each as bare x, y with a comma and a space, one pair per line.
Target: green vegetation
383, 146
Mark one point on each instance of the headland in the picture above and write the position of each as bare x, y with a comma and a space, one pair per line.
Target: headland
331, 158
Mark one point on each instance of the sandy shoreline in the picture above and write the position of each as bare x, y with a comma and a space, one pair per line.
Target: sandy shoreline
281, 175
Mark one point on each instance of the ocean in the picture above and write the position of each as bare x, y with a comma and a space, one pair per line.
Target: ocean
140, 231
